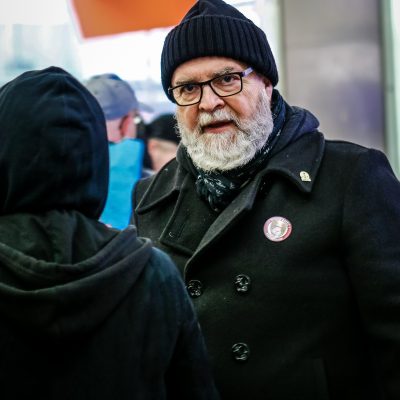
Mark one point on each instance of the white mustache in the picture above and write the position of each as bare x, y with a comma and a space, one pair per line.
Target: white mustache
215, 117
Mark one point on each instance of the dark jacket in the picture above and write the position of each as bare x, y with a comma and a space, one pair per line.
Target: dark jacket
314, 316
86, 312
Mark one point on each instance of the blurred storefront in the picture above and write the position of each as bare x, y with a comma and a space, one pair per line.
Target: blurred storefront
340, 60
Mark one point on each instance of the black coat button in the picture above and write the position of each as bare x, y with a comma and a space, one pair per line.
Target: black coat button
242, 283
241, 352
195, 288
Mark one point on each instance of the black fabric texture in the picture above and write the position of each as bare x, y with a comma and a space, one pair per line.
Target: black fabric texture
60, 160
214, 28
164, 128
87, 312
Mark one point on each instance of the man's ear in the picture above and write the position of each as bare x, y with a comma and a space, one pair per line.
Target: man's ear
268, 87
127, 127
152, 145
126, 120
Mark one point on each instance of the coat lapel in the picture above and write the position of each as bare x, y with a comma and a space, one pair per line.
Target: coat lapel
241, 203
299, 163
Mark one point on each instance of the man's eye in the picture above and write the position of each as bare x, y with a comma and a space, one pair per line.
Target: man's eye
189, 88
226, 80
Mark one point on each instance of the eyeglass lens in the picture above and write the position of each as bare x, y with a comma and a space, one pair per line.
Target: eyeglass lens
224, 85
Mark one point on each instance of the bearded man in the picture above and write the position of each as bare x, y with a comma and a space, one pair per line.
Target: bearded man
276, 230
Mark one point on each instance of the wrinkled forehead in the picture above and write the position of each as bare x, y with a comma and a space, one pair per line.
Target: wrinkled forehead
204, 68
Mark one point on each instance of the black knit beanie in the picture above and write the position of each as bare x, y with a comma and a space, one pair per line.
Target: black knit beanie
214, 28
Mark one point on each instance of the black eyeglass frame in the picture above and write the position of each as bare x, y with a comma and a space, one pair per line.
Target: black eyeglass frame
241, 74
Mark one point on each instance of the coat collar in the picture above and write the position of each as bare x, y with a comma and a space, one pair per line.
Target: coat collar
164, 184
298, 162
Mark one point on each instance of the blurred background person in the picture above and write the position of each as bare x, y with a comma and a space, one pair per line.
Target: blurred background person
122, 113
119, 104
162, 140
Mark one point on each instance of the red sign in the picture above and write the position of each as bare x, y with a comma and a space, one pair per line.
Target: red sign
108, 17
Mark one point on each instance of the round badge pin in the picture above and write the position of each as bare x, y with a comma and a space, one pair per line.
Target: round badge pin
277, 229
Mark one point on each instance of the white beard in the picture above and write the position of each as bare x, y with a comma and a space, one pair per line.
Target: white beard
230, 149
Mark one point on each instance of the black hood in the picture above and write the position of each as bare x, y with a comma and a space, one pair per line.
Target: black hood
62, 274
53, 145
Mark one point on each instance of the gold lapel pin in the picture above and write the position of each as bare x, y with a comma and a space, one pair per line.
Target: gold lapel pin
305, 176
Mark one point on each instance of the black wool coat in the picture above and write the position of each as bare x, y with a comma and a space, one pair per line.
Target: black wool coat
312, 313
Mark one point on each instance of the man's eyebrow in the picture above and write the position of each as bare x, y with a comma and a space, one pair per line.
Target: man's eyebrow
184, 82
226, 70
223, 71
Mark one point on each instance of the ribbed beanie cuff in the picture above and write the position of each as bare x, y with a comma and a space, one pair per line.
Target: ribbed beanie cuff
214, 28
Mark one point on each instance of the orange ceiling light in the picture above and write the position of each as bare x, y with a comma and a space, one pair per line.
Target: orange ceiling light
108, 17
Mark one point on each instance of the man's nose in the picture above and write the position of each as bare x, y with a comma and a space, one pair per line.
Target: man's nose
209, 100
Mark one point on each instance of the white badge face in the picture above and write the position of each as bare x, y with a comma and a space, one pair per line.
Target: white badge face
277, 229
305, 176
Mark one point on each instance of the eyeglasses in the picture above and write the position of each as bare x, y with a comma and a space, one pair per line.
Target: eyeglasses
223, 86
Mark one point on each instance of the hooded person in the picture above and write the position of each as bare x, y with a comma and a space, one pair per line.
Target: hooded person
276, 230
86, 311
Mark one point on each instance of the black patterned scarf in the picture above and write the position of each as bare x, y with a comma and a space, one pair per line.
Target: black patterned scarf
219, 188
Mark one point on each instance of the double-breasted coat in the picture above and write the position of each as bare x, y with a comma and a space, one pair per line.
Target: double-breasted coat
310, 312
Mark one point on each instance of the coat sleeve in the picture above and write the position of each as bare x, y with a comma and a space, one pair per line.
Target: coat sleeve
371, 233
